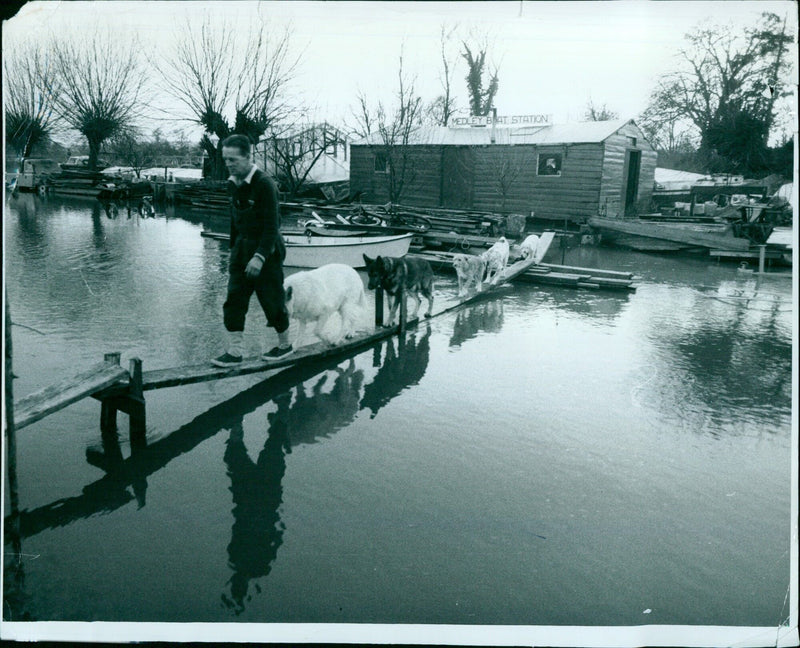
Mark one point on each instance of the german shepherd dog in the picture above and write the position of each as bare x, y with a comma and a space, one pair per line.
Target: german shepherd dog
415, 276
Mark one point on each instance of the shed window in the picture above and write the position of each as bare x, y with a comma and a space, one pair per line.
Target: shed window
381, 163
631, 141
549, 164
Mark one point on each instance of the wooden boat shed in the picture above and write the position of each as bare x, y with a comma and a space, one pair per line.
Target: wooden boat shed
558, 171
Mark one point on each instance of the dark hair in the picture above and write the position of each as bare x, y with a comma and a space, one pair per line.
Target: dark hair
240, 142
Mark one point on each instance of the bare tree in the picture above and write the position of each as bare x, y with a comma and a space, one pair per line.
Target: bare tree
101, 83
128, 147
601, 113
513, 162
295, 154
230, 82
442, 108
482, 89
31, 83
389, 130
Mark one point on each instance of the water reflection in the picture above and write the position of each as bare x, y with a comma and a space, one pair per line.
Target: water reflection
257, 531
401, 368
485, 317
256, 488
308, 407
723, 349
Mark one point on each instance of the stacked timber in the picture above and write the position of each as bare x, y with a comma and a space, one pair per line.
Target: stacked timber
471, 222
77, 183
203, 195
551, 274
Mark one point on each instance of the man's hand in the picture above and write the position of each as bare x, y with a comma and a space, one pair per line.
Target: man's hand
254, 266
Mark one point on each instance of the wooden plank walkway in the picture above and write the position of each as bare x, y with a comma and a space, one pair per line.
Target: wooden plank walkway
55, 397
160, 378
186, 375
119, 389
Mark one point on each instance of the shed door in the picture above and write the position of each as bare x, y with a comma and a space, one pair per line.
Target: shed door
458, 175
632, 181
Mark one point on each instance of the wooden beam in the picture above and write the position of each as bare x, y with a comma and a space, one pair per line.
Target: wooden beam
160, 378
55, 397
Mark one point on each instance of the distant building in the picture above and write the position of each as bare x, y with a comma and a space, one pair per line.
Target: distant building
320, 148
559, 171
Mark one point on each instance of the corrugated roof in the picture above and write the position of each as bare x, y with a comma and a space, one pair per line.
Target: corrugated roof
574, 133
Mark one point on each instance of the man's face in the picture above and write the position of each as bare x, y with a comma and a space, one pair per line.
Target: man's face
238, 164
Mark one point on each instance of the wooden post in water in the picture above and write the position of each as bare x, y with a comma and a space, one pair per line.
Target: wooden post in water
761, 254
11, 434
137, 413
401, 295
108, 408
379, 306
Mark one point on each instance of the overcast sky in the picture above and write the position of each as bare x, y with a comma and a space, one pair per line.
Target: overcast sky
552, 56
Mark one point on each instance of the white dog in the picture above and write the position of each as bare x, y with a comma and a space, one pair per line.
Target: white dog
528, 247
469, 270
496, 258
315, 295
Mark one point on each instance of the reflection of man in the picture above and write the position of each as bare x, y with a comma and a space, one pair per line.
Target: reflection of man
257, 252
257, 494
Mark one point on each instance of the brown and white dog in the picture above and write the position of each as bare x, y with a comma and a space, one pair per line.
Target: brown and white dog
496, 258
414, 276
314, 296
470, 269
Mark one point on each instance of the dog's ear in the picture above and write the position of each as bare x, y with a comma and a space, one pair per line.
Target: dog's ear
288, 294
367, 260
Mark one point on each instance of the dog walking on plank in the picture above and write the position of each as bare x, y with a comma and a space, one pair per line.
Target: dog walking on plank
413, 276
314, 296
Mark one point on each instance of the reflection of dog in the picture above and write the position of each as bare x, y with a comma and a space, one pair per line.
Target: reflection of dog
414, 276
321, 414
487, 317
402, 368
528, 247
469, 269
496, 258
315, 295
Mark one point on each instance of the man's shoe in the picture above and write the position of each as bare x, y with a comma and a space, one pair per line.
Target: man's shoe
277, 352
227, 360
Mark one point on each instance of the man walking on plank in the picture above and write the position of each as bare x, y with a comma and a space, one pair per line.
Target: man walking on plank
257, 253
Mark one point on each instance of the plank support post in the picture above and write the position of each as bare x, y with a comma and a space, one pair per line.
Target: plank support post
401, 295
379, 306
108, 408
137, 413
761, 255
132, 403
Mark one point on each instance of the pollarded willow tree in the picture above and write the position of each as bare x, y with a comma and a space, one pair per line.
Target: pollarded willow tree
31, 84
726, 89
101, 83
231, 82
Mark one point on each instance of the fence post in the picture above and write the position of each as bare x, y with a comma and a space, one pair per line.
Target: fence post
379, 306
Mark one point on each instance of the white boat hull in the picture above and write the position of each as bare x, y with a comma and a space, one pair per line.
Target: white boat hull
314, 251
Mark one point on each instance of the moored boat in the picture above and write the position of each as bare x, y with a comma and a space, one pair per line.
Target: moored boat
306, 250
309, 251
648, 235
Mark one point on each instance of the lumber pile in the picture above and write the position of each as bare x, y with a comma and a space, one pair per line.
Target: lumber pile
550, 274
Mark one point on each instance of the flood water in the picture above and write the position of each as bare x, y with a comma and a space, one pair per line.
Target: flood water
551, 456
